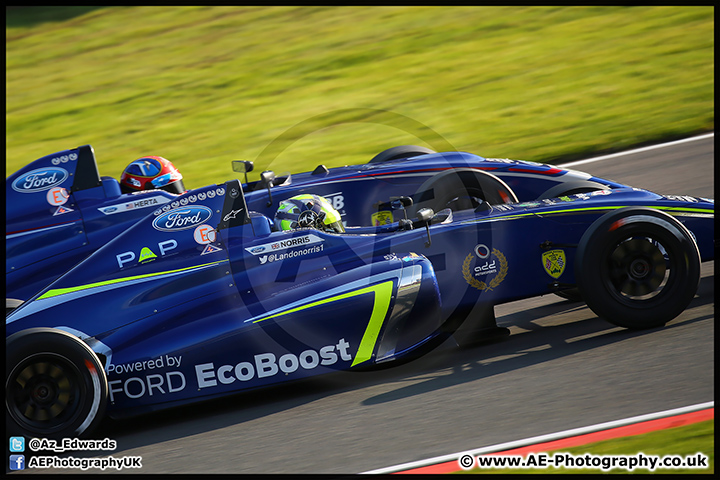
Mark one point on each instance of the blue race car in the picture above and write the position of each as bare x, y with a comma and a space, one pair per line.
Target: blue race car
202, 296
59, 209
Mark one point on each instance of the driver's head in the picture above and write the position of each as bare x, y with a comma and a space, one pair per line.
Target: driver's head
308, 210
150, 173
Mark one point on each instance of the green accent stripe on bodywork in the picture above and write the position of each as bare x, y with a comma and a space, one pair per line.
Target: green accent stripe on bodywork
688, 210
616, 207
62, 291
670, 210
383, 296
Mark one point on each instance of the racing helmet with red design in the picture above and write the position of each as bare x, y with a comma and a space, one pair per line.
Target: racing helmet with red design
308, 211
150, 173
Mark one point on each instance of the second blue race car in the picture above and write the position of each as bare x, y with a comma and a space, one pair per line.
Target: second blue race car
201, 295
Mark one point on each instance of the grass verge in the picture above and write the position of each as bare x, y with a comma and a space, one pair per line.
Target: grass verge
205, 85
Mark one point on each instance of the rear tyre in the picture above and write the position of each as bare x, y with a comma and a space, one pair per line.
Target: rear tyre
55, 385
399, 153
637, 267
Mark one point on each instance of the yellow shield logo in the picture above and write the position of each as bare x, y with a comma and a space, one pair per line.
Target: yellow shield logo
382, 217
554, 262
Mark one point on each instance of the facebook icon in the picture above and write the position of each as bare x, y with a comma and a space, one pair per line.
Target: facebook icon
17, 462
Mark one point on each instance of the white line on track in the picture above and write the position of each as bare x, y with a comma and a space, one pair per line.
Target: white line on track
544, 438
637, 150
577, 431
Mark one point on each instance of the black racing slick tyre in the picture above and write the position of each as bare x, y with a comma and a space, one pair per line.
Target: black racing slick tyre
399, 153
637, 267
55, 386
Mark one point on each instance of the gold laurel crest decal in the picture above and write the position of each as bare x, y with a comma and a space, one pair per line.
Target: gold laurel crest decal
479, 284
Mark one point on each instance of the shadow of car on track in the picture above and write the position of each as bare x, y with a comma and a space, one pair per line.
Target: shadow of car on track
540, 334
533, 342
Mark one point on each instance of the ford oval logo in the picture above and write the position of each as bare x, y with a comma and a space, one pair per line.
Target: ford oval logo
182, 218
39, 179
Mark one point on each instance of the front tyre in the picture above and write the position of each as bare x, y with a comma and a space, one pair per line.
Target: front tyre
400, 153
637, 267
55, 385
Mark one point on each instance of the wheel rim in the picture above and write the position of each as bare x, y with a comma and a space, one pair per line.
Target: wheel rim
44, 392
638, 269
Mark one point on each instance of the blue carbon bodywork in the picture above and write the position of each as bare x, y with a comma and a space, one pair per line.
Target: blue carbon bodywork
196, 295
48, 233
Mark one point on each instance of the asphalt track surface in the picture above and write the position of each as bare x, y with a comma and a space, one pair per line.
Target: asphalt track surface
561, 368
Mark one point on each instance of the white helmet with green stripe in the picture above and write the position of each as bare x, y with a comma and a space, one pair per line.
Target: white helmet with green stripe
303, 211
